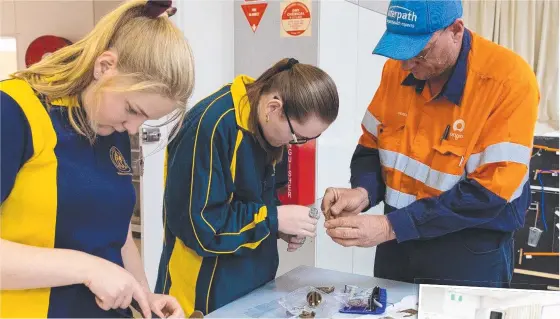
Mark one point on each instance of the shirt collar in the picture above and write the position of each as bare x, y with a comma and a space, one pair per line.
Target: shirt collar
240, 101
454, 88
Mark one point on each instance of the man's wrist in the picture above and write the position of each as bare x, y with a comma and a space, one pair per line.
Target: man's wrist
389, 231
365, 197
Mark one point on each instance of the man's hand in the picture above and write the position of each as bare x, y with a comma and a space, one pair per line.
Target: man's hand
165, 306
294, 242
360, 231
339, 202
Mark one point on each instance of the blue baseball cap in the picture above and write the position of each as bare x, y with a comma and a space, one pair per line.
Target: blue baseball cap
411, 24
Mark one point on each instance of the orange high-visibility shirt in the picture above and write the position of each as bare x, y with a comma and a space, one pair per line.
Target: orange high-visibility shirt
455, 160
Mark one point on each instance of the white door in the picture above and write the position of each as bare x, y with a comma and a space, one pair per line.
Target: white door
153, 140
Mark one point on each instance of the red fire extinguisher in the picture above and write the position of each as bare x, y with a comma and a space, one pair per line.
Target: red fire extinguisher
300, 189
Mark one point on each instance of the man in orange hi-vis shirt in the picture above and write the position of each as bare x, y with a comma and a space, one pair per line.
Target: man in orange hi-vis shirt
446, 146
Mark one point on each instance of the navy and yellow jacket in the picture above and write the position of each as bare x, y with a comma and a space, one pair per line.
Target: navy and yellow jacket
59, 191
220, 210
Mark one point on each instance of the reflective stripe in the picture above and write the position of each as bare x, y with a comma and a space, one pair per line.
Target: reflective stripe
519, 189
500, 152
398, 199
370, 123
419, 171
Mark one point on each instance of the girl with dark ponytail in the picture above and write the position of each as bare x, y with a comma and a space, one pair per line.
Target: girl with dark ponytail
222, 218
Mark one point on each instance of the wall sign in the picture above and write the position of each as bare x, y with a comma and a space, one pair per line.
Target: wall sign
295, 18
253, 12
42, 47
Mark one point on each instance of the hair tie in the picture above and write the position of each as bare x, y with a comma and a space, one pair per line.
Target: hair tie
291, 62
155, 8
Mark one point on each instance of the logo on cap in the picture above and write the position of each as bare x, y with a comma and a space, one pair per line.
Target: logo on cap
401, 16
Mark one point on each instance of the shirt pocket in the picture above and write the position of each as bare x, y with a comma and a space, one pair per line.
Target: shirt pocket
447, 167
390, 137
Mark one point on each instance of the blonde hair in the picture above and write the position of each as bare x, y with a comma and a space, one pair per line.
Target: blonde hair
153, 55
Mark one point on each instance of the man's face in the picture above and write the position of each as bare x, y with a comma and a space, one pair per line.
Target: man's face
436, 57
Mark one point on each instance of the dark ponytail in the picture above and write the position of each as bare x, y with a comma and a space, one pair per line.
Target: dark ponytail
305, 91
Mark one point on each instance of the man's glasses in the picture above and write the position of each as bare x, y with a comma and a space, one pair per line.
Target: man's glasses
422, 55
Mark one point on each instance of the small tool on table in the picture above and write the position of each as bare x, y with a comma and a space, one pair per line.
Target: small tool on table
307, 314
326, 290
410, 312
373, 303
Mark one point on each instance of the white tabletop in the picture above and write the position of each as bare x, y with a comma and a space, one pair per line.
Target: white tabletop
263, 302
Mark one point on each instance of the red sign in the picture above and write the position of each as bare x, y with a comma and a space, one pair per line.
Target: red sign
42, 47
296, 18
253, 13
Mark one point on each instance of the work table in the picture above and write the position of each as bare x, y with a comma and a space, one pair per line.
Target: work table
263, 302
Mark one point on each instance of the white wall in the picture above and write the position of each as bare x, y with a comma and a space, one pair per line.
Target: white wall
208, 26
8, 56
441, 301
522, 298
459, 304
431, 299
338, 53
550, 312
7, 18
27, 20
345, 53
502, 299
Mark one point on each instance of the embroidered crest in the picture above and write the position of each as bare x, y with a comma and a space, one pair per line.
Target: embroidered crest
119, 161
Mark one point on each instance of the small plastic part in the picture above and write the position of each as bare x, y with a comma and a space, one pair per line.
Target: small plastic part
349, 289
369, 301
314, 213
